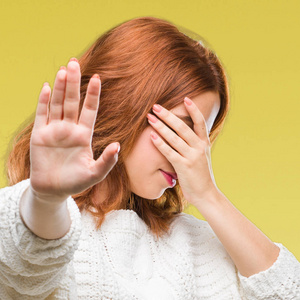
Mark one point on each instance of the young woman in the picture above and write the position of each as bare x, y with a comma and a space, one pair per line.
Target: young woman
132, 163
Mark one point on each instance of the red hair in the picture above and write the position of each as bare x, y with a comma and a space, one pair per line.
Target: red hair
140, 62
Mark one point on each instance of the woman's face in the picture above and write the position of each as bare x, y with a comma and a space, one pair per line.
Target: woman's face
145, 163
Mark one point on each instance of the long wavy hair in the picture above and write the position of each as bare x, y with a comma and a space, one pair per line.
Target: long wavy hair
140, 62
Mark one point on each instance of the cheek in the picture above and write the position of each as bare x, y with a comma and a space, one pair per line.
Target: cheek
144, 160
144, 144
151, 155
142, 153
143, 164
144, 148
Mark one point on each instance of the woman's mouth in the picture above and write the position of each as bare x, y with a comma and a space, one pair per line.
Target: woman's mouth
170, 177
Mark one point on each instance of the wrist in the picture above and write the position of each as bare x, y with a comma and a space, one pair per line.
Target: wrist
46, 198
210, 198
45, 218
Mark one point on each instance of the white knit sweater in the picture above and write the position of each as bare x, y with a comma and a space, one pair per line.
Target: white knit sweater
123, 260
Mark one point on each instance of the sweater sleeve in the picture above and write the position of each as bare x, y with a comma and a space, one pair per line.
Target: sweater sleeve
280, 281
32, 267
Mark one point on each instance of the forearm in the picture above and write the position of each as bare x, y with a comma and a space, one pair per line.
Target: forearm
250, 249
32, 267
45, 218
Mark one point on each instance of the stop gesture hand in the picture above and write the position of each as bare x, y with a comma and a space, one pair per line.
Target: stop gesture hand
61, 157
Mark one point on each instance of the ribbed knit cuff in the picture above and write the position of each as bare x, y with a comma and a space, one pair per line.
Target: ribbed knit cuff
33, 248
280, 281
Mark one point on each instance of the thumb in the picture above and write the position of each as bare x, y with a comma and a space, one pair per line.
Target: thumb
106, 161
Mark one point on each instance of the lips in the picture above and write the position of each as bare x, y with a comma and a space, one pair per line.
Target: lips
173, 175
170, 177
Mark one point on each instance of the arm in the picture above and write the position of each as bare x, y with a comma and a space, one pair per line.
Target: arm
46, 218
250, 250
31, 267
61, 158
35, 259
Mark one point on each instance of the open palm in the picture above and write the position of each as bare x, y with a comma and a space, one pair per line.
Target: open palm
62, 162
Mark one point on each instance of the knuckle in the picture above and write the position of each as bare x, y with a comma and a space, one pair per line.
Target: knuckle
198, 122
203, 144
168, 151
206, 143
93, 91
90, 106
182, 127
173, 139
72, 95
200, 151
189, 163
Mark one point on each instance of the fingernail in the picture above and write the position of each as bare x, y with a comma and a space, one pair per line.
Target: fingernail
188, 101
151, 118
157, 107
45, 83
96, 76
116, 154
153, 135
62, 68
74, 59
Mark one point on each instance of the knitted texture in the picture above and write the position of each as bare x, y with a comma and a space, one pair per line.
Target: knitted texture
32, 267
123, 260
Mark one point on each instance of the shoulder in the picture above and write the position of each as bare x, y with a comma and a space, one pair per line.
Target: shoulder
190, 224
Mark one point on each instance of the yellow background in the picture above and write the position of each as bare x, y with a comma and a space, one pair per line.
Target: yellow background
256, 158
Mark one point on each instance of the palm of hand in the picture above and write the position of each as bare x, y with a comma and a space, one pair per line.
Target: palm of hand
64, 157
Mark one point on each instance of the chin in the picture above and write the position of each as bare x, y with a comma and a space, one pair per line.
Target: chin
150, 195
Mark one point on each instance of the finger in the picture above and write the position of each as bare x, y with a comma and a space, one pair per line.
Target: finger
42, 106
171, 155
91, 102
200, 126
181, 128
106, 161
169, 136
71, 103
57, 99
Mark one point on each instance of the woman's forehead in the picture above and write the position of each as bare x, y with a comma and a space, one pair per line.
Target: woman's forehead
208, 103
